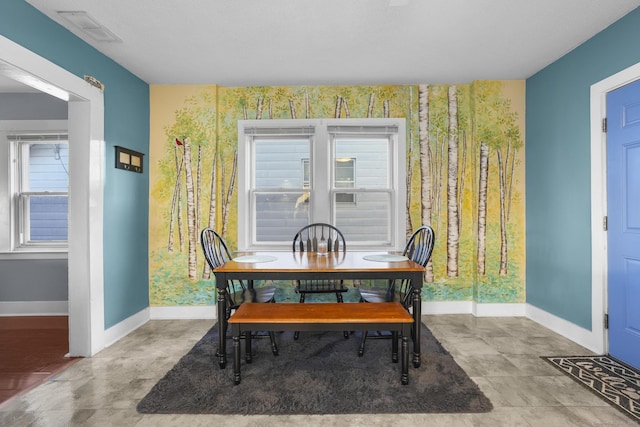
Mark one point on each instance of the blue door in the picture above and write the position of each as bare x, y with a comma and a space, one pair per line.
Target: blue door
623, 203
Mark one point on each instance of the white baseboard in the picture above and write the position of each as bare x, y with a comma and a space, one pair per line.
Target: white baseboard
34, 308
446, 307
470, 307
498, 310
184, 312
575, 333
128, 325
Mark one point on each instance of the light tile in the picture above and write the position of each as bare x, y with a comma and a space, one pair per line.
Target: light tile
502, 355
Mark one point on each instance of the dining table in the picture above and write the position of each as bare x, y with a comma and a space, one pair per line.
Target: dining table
289, 265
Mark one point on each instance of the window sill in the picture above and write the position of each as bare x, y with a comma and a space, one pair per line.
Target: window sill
34, 254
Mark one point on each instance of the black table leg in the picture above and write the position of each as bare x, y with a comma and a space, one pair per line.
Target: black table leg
222, 328
417, 320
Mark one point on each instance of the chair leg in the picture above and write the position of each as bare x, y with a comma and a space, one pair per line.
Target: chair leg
272, 336
274, 346
296, 334
339, 299
362, 341
247, 346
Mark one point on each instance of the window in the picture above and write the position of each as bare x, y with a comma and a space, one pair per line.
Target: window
345, 177
39, 187
306, 173
346, 172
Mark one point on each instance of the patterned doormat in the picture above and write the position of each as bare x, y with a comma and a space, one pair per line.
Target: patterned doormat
613, 381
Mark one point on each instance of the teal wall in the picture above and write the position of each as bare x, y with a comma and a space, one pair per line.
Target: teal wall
126, 194
558, 181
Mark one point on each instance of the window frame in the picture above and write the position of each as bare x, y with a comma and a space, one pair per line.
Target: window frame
19, 205
322, 148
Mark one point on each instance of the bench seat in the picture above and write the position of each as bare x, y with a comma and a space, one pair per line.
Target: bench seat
389, 316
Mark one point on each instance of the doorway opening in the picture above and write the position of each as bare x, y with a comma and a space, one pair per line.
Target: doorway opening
86, 159
599, 254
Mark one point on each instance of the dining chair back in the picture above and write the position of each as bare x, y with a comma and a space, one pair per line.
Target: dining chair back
319, 238
418, 249
311, 236
217, 253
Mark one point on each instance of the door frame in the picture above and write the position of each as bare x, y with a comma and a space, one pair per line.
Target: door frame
86, 177
599, 251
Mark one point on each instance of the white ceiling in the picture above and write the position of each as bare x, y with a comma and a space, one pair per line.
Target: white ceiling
338, 42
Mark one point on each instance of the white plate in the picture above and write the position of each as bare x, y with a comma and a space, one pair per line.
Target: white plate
255, 258
385, 258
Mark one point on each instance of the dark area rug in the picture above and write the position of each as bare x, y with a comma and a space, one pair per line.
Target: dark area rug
611, 380
320, 373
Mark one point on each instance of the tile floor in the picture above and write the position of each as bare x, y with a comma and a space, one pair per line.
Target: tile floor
501, 354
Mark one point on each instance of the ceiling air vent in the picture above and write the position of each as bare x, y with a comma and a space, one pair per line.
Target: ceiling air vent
89, 26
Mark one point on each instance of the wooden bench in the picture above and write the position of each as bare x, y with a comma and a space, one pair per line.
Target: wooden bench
388, 316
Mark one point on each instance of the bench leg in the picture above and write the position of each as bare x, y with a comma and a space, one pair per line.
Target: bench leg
236, 359
404, 378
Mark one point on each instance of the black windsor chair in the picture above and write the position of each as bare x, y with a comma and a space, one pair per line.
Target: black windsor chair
319, 238
418, 249
216, 253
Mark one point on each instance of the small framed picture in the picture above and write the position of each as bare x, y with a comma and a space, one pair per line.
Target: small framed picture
128, 159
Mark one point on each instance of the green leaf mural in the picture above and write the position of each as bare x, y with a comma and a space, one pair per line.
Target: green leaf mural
465, 178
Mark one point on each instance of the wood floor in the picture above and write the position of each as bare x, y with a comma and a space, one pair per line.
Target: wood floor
32, 350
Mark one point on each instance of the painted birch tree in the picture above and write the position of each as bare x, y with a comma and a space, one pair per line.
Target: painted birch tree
425, 165
483, 184
192, 131
506, 147
409, 223
498, 132
453, 230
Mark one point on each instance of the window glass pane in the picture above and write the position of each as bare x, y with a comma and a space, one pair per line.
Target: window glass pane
345, 177
306, 174
279, 163
371, 155
48, 167
47, 218
345, 172
368, 220
280, 215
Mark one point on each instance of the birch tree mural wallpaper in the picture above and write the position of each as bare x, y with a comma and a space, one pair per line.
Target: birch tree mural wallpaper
465, 178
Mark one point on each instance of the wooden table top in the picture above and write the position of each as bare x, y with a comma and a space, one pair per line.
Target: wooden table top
288, 261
